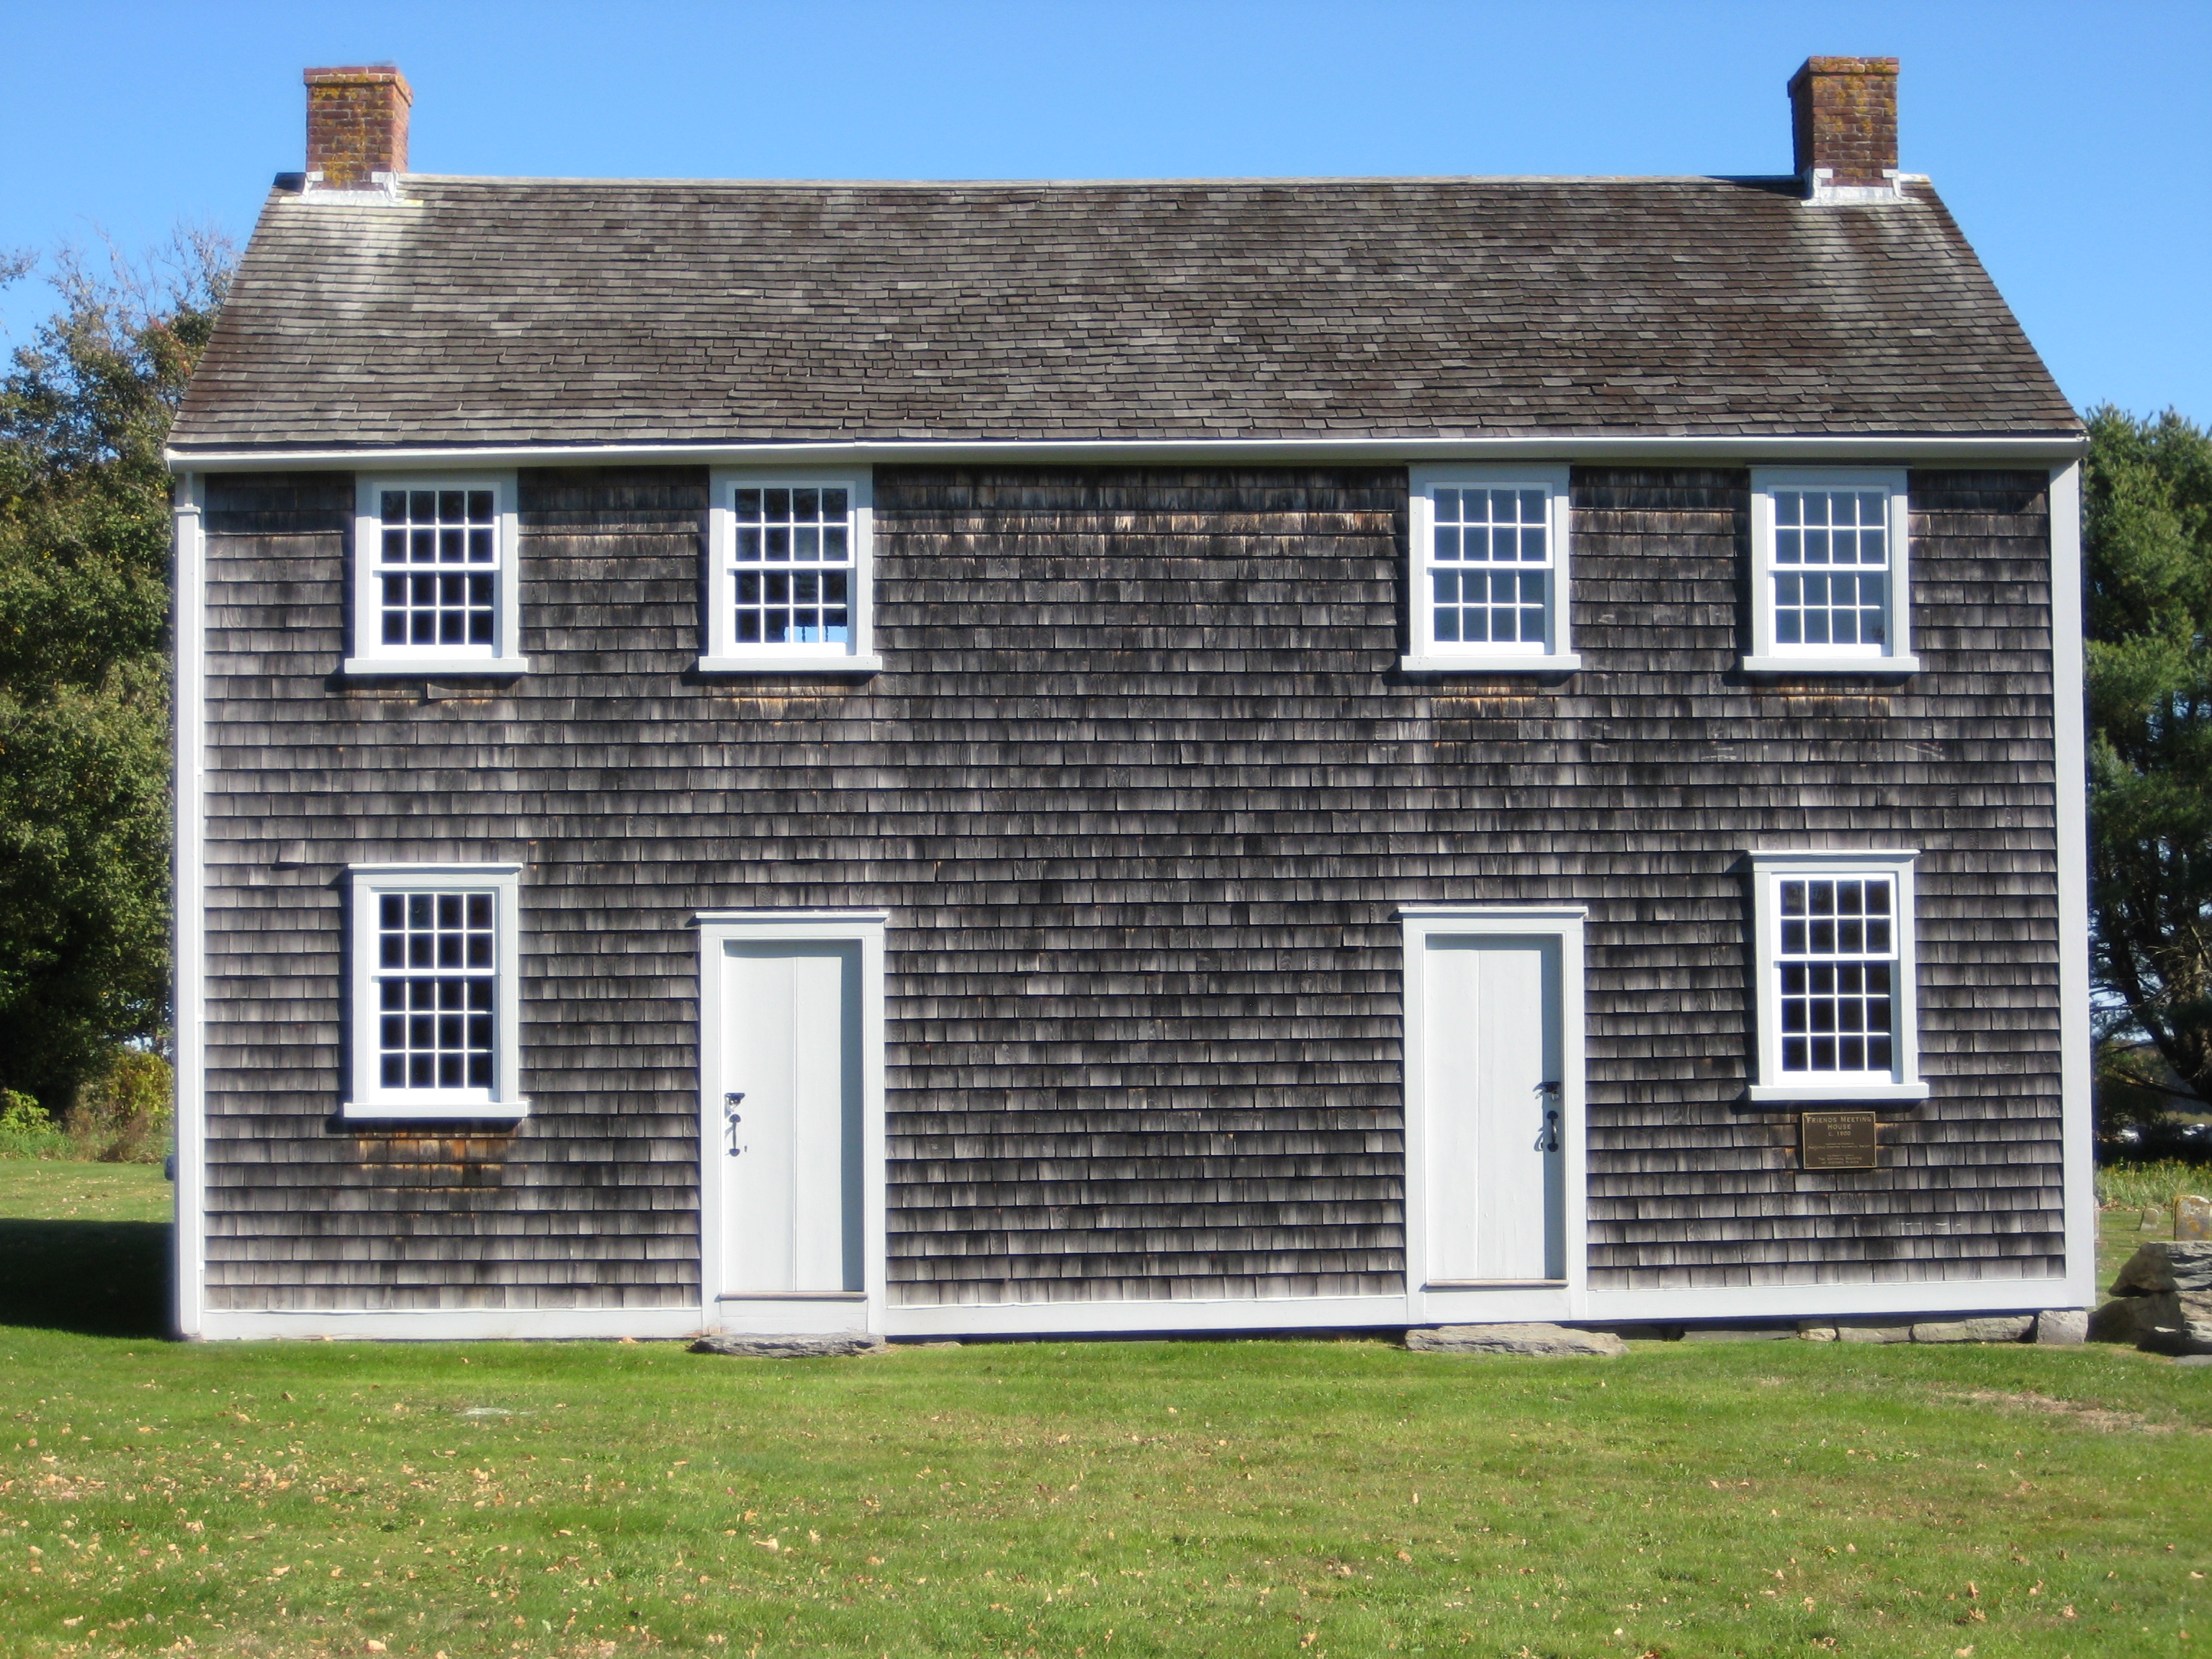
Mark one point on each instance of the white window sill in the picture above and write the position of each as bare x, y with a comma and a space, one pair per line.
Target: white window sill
1829, 1094
1787, 667
798, 662
426, 668
1494, 663
439, 1111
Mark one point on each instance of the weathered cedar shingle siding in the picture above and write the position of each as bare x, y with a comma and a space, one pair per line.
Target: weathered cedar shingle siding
1142, 789
588, 311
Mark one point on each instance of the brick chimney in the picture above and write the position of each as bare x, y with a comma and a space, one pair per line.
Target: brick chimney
356, 125
1843, 116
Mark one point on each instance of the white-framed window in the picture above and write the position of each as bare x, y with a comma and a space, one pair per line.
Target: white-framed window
1489, 565
435, 999
789, 569
1830, 568
435, 576
1838, 1014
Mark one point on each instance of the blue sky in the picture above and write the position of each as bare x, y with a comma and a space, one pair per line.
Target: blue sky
2072, 141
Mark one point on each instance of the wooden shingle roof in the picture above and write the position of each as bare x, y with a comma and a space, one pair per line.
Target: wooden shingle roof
520, 312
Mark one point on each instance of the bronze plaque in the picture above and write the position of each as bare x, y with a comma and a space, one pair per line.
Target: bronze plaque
1836, 1140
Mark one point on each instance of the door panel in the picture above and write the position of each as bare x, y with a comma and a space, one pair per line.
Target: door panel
1496, 1172
791, 1148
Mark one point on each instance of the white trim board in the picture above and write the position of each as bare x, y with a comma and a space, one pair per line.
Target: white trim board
1937, 449
190, 966
1910, 1298
1942, 1298
2071, 769
452, 1324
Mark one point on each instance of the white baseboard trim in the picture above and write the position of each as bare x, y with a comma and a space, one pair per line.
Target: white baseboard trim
1920, 1296
452, 1324
1270, 1312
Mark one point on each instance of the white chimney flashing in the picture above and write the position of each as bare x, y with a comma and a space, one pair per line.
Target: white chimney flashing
1819, 193
384, 188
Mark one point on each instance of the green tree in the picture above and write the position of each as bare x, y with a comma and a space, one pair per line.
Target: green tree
84, 660
2147, 538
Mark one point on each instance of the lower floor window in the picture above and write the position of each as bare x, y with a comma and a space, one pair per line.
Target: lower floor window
434, 983
434, 997
1835, 966
1838, 948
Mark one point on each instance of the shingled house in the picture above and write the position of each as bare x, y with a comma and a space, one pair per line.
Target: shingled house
996, 758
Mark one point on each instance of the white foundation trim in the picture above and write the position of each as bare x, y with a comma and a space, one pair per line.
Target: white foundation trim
781, 1316
790, 1315
1270, 1312
1909, 1299
191, 927
2071, 774
453, 1324
2028, 450
1428, 1305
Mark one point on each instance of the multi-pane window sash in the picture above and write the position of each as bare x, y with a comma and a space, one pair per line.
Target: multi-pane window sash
436, 977
1830, 568
1836, 961
437, 568
1490, 574
792, 565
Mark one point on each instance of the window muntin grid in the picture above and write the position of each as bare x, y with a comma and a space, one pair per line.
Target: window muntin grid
1830, 568
1836, 964
1489, 568
436, 982
437, 568
791, 569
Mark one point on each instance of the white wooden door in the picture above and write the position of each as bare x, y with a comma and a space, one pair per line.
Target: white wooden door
1494, 1130
790, 1103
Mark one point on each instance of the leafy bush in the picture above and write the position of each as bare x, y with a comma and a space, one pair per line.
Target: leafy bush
25, 1130
2148, 1186
122, 1116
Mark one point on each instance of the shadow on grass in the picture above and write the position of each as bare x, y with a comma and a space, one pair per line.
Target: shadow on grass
93, 1278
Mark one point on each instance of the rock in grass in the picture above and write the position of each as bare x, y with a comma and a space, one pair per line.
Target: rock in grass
2003, 1327
1544, 1341
789, 1348
2062, 1326
2178, 1265
1846, 1331
2190, 1338
2131, 1318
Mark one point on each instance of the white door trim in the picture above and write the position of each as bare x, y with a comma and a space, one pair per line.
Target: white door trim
781, 1315
1428, 1305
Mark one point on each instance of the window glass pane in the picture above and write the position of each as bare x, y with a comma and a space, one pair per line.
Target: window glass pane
434, 982
1834, 985
437, 527
1506, 530
781, 593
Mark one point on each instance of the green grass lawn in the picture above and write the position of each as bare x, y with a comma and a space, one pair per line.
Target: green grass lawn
1291, 1497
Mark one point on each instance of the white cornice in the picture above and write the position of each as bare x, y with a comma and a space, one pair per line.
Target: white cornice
2034, 449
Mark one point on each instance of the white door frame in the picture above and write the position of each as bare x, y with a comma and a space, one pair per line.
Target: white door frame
792, 1315
1481, 1304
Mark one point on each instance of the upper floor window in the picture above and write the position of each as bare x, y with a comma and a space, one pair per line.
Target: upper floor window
788, 573
1489, 570
1835, 941
434, 994
435, 577
1829, 593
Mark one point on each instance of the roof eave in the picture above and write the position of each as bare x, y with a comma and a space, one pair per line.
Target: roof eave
2017, 448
